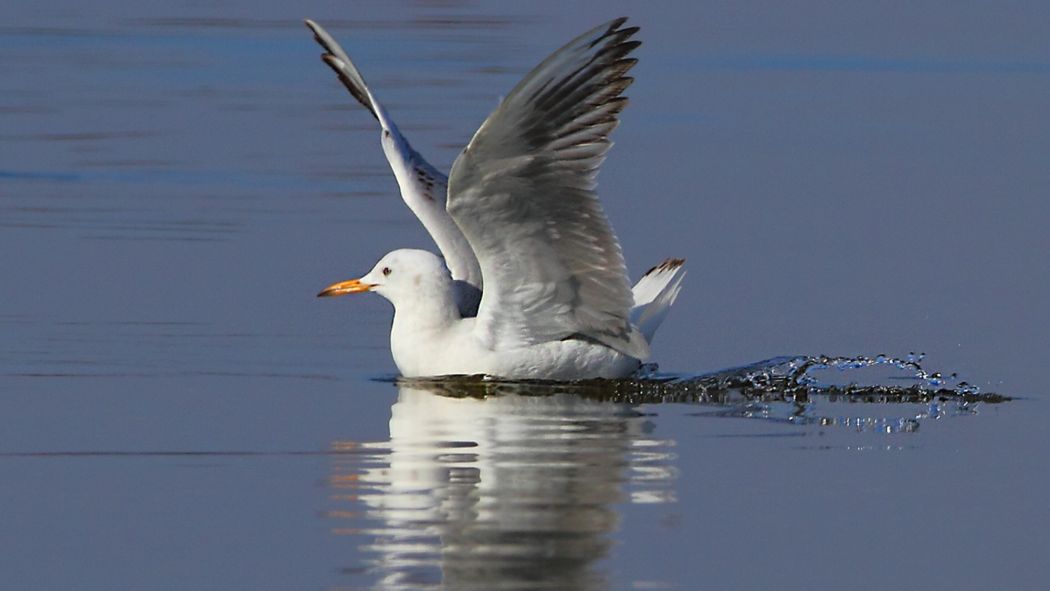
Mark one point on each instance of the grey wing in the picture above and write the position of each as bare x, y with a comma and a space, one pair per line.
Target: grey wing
523, 194
423, 187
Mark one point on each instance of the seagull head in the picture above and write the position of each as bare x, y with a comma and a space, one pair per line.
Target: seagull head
400, 275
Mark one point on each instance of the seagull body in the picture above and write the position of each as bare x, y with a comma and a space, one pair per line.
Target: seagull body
532, 284
430, 336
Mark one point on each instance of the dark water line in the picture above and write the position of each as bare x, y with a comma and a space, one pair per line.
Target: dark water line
175, 453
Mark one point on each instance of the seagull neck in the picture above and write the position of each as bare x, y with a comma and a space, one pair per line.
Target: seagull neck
426, 310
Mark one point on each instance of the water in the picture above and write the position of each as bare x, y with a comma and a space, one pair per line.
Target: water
178, 411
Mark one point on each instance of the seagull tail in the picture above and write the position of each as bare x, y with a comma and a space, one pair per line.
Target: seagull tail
654, 294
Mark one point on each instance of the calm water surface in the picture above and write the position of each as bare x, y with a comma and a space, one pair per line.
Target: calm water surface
177, 411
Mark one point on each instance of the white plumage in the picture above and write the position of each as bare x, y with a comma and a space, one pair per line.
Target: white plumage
533, 283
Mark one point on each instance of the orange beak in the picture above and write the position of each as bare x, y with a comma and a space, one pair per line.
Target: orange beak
345, 287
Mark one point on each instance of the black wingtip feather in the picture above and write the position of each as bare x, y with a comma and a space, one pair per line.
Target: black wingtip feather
333, 62
612, 29
667, 265
628, 32
359, 94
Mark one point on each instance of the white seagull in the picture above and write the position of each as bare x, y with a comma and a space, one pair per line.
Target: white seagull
533, 284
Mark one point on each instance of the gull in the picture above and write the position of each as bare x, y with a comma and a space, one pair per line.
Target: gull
531, 283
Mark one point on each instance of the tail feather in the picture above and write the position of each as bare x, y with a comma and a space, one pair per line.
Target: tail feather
654, 293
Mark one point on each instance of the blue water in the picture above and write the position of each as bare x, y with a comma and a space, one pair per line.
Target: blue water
177, 410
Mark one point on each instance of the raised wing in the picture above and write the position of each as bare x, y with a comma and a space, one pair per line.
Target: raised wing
423, 187
523, 194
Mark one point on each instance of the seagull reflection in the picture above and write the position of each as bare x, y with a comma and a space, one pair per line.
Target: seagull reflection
509, 491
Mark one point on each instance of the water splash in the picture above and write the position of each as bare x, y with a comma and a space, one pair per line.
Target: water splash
899, 393
781, 378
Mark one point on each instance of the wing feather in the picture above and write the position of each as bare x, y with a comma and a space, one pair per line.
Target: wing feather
523, 194
423, 187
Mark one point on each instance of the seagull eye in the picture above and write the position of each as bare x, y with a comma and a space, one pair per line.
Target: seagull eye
386, 271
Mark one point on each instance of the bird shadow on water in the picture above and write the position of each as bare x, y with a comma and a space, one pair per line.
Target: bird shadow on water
490, 484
